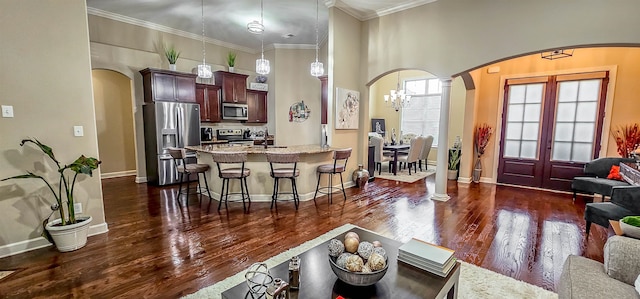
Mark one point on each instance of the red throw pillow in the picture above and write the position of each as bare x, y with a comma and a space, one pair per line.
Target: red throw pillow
614, 173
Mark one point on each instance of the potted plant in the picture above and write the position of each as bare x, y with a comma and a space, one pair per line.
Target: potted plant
454, 163
627, 139
69, 232
231, 60
172, 55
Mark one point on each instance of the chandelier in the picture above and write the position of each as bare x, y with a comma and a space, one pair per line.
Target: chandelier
262, 65
317, 69
557, 54
204, 70
399, 99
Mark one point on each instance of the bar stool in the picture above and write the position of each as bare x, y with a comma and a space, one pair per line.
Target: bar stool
184, 169
331, 169
284, 173
241, 173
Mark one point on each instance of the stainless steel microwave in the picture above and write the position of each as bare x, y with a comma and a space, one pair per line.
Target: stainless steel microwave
233, 111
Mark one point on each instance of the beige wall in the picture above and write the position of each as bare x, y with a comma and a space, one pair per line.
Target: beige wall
344, 69
448, 37
292, 70
46, 75
622, 107
114, 121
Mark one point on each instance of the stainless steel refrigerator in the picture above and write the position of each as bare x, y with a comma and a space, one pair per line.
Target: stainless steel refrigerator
168, 124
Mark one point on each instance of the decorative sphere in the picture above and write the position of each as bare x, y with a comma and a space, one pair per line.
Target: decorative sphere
365, 269
335, 248
376, 244
365, 249
258, 278
354, 263
376, 262
352, 235
351, 244
380, 251
342, 260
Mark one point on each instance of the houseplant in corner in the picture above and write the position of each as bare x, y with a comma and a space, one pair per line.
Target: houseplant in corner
454, 163
482, 134
172, 56
231, 61
67, 232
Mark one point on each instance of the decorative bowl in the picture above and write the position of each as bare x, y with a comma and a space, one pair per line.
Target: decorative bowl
357, 279
630, 230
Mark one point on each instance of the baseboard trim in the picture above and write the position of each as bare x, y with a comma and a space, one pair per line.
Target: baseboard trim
40, 242
141, 179
464, 180
118, 174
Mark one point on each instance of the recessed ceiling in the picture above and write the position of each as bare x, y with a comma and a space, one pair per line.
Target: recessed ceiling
290, 22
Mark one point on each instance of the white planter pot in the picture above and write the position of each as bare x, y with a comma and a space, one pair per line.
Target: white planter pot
172, 67
69, 237
630, 230
452, 174
231, 69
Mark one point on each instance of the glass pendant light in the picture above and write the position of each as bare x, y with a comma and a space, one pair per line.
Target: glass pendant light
262, 65
317, 69
204, 70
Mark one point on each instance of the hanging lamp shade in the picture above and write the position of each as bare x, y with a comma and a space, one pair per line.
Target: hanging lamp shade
204, 70
317, 68
262, 65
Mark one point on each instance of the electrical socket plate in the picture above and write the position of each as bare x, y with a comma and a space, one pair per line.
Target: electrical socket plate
7, 111
78, 207
78, 131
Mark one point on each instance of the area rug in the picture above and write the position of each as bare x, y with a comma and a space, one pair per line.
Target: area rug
403, 176
4, 274
475, 282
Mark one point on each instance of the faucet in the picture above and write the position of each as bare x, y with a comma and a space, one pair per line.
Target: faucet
266, 135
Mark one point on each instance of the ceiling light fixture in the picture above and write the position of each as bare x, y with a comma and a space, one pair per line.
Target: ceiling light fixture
262, 65
557, 54
255, 27
204, 70
399, 99
317, 69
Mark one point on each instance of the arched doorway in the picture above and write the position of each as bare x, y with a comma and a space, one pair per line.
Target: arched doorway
114, 123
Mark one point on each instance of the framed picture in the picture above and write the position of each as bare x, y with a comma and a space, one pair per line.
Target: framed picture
347, 109
377, 125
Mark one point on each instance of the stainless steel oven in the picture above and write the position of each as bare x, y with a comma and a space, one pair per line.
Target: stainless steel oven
232, 111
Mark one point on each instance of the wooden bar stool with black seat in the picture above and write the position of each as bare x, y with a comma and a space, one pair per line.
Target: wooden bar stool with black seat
233, 172
336, 168
186, 170
284, 173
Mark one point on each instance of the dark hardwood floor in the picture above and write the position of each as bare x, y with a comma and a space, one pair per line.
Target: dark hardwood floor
158, 248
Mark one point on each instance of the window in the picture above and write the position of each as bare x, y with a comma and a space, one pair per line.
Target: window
422, 115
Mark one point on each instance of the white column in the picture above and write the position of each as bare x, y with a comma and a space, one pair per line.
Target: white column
443, 144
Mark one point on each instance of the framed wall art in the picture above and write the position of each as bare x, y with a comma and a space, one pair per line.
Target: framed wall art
347, 109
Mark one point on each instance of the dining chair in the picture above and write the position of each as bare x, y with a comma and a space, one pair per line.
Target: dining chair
289, 171
379, 157
339, 165
415, 149
426, 149
232, 160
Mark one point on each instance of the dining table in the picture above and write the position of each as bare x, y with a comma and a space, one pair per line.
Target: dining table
395, 148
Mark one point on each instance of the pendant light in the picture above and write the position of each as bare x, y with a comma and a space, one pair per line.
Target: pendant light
317, 69
204, 70
262, 65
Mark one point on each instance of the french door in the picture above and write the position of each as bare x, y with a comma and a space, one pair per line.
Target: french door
552, 126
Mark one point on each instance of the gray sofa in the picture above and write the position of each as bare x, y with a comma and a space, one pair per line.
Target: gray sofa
595, 177
585, 278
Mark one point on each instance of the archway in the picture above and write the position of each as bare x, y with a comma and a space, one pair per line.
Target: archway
114, 123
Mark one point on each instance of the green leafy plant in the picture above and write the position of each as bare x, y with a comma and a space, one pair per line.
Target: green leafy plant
632, 220
231, 59
454, 158
66, 184
171, 54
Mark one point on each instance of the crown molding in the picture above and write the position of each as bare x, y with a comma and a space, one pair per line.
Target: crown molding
375, 14
162, 28
295, 46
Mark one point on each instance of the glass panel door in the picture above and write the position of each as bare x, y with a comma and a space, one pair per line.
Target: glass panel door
523, 121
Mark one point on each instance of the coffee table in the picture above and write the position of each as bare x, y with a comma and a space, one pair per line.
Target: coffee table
317, 280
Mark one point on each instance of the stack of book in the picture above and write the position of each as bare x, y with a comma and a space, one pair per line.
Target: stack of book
426, 256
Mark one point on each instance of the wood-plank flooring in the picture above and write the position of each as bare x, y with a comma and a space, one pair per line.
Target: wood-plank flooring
158, 247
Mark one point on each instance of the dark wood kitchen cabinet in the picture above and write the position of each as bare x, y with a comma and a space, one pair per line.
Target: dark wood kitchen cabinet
234, 86
164, 85
257, 106
208, 96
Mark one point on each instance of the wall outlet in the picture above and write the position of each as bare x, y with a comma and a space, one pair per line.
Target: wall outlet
78, 131
78, 207
7, 111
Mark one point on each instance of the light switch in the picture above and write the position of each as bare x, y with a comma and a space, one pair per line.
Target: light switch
7, 111
78, 131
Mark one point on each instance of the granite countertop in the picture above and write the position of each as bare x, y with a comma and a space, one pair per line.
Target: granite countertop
259, 149
214, 142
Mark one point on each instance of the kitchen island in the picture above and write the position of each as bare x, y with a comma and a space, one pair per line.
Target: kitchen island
260, 182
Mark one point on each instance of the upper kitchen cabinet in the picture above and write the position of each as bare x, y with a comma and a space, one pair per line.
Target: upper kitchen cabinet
257, 106
164, 85
234, 86
208, 96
